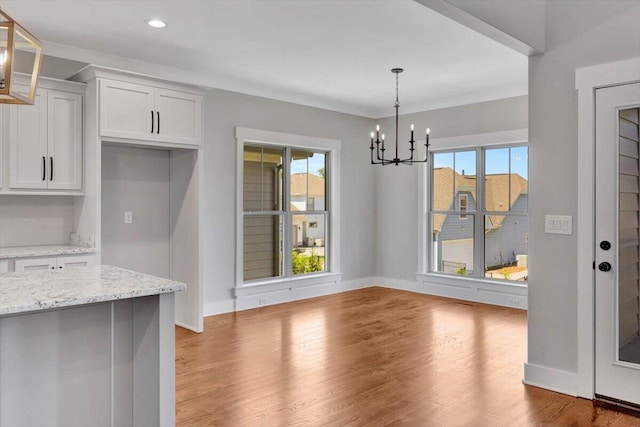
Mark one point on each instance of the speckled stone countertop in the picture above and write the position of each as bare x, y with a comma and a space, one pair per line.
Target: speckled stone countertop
50, 250
45, 289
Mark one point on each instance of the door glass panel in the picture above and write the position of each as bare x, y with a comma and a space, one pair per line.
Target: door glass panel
628, 238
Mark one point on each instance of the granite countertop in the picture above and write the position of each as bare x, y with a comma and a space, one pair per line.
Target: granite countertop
49, 250
45, 289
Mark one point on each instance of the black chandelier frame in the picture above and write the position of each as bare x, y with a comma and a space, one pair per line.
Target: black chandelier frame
377, 144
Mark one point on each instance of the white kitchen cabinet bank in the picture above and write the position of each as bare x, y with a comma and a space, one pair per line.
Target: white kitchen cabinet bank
43, 143
57, 263
132, 108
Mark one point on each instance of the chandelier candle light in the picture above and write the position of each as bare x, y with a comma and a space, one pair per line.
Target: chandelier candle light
377, 144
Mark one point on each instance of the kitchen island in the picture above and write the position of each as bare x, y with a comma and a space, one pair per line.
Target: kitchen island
87, 346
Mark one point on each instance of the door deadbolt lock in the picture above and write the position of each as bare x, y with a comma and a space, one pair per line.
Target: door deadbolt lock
605, 245
604, 266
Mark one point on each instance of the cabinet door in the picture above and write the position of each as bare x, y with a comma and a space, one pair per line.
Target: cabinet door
28, 143
30, 264
180, 117
64, 142
76, 261
4, 266
126, 110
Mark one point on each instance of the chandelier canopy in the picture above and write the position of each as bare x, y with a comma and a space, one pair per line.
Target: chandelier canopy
377, 143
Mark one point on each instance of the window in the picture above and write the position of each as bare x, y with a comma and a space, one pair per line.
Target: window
484, 234
286, 217
462, 203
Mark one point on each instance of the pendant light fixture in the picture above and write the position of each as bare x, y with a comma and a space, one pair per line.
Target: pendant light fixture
17, 45
377, 143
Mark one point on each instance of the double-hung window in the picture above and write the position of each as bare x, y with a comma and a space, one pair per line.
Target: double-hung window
286, 211
477, 216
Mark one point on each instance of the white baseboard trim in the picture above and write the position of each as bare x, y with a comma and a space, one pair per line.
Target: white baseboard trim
551, 379
282, 292
293, 291
219, 307
467, 290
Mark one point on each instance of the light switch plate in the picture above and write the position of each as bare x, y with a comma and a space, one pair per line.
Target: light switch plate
128, 217
558, 224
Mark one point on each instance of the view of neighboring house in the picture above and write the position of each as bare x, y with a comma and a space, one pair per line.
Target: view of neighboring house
506, 237
308, 193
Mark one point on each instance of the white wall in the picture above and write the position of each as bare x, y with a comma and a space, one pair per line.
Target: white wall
223, 112
578, 34
35, 220
397, 186
136, 180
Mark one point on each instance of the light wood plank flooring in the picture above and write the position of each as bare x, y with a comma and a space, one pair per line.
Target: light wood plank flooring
371, 357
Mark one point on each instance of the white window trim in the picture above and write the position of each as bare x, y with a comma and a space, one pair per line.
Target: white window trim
511, 137
278, 139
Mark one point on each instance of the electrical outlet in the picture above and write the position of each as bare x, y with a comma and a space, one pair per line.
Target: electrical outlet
514, 302
262, 301
128, 217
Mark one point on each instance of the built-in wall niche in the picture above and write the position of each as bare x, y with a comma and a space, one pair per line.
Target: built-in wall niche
149, 215
35, 220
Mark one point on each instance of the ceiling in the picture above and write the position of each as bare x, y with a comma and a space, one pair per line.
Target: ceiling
325, 53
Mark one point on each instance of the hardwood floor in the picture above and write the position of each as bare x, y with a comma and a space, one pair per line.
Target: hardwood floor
371, 357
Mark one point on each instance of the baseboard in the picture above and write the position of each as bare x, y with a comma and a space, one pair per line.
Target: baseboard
551, 379
289, 292
278, 293
219, 307
467, 290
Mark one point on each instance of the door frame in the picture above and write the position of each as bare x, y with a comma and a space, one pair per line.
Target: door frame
588, 79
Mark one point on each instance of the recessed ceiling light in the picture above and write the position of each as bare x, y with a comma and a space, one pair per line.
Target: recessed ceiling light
156, 23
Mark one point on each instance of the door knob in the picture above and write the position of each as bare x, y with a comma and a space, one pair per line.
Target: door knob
605, 245
604, 266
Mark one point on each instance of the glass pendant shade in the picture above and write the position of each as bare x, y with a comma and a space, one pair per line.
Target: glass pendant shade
20, 52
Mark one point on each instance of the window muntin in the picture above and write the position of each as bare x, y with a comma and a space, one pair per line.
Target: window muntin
497, 238
284, 231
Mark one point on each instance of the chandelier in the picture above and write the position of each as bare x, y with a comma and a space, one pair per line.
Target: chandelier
377, 143
17, 46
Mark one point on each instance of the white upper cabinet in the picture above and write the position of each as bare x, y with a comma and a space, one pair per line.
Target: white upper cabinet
179, 116
140, 112
28, 143
45, 143
126, 110
64, 140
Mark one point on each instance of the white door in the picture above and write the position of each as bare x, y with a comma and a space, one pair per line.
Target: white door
179, 118
127, 111
64, 140
617, 251
28, 143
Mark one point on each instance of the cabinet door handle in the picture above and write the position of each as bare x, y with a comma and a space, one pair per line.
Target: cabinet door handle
51, 168
152, 121
158, 130
44, 168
